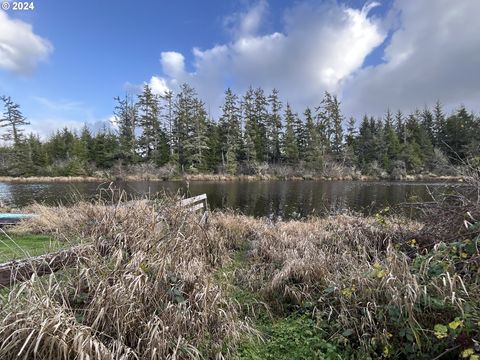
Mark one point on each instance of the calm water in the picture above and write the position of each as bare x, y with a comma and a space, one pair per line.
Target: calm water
285, 199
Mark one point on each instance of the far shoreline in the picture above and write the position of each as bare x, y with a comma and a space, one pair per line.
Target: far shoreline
227, 178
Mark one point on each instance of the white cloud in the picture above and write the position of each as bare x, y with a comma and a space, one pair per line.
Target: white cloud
434, 54
318, 49
244, 24
173, 63
20, 48
159, 86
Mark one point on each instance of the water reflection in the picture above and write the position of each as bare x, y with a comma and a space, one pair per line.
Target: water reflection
284, 199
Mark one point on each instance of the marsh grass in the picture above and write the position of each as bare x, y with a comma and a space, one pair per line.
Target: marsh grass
158, 285
147, 291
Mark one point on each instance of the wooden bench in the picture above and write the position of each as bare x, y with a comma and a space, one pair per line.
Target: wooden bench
197, 203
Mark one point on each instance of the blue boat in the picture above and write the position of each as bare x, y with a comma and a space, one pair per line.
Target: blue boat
13, 218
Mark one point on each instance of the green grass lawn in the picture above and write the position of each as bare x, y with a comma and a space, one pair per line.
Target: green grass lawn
18, 246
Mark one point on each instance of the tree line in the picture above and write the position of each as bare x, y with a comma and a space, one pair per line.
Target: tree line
256, 132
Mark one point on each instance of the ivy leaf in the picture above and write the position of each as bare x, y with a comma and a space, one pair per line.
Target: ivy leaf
455, 324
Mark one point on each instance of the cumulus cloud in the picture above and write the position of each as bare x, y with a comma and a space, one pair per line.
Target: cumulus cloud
246, 23
434, 54
319, 47
20, 48
159, 86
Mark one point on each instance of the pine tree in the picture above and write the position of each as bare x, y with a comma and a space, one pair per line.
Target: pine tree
439, 125
301, 136
148, 120
105, 148
274, 127
20, 162
190, 136
39, 155
330, 120
260, 128
392, 144
231, 131
350, 141
290, 141
428, 123
460, 136
126, 115
168, 117
313, 148
365, 143
13, 119
86, 141
251, 126
197, 140
400, 127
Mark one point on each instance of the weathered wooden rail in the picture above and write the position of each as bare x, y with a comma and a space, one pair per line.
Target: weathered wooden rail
21, 270
197, 203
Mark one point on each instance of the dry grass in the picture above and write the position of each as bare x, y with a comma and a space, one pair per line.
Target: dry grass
147, 291
47, 179
354, 273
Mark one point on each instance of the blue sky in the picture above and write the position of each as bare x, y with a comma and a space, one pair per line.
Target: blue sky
70, 58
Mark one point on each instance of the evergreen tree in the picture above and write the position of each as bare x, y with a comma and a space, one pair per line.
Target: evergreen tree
366, 143
13, 119
428, 123
251, 125
168, 117
105, 149
290, 144
189, 128
392, 144
231, 131
350, 141
260, 128
461, 134
301, 136
20, 160
332, 109
148, 120
439, 126
126, 114
400, 127
274, 127
197, 140
313, 149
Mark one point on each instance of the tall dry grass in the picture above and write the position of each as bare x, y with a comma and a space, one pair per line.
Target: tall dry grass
357, 275
147, 291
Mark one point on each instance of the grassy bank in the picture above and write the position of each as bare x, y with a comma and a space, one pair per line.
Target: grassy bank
220, 177
18, 246
160, 286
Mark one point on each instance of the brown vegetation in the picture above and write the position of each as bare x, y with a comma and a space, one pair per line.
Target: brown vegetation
151, 288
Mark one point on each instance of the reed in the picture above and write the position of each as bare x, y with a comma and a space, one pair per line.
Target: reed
158, 285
